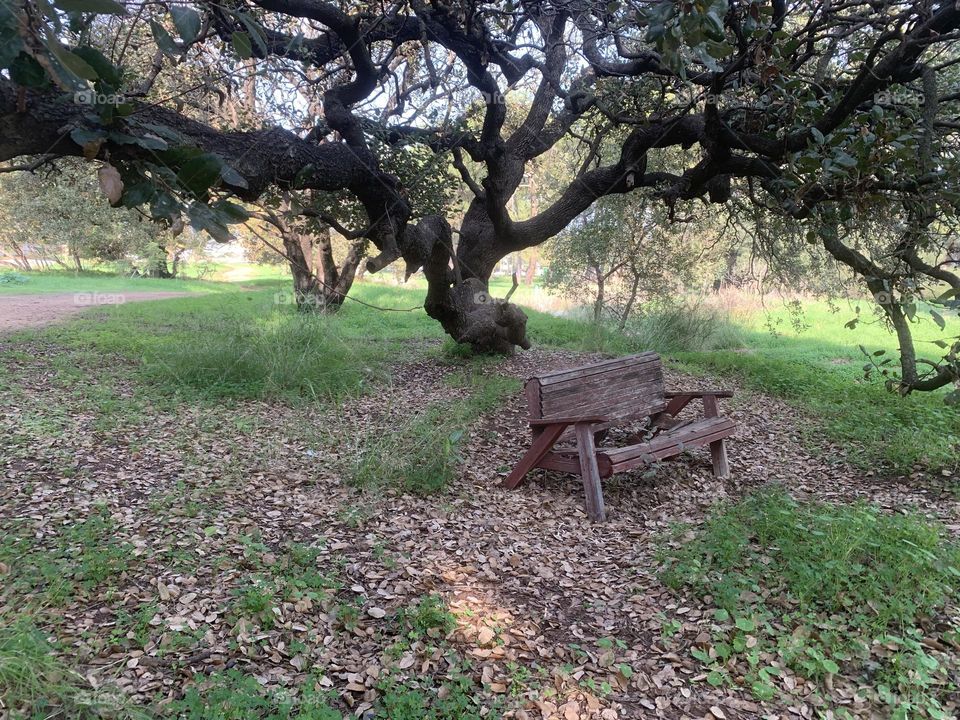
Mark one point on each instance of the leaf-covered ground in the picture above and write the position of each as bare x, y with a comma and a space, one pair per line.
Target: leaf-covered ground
173, 548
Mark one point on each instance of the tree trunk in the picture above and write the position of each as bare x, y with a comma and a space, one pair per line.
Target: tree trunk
20, 257
306, 289
458, 291
729, 274
628, 308
318, 284
598, 302
175, 267
531, 273
75, 254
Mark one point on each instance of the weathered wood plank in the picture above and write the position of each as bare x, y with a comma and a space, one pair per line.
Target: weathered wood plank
625, 377
590, 473
540, 447
685, 435
641, 456
597, 368
718, 456
615, 394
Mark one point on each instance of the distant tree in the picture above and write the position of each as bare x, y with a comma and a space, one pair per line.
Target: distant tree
61, 217
621, 253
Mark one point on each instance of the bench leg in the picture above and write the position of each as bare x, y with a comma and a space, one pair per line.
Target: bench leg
540, 447
587, 451
718, 454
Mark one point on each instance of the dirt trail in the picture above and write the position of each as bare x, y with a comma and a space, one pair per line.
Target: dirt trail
24, 311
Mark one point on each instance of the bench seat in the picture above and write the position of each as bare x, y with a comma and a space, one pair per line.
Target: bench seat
583, 403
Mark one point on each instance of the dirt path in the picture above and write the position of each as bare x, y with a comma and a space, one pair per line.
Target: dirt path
23, 311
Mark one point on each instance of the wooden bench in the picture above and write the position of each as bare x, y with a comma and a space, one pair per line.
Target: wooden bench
583, 403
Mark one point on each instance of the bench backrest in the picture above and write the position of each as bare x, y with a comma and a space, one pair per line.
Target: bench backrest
623, 389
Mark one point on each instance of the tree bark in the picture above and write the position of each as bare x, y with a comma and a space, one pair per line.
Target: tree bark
598, 302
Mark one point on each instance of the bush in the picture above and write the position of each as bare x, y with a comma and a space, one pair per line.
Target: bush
683, 327
12, 277
284, 355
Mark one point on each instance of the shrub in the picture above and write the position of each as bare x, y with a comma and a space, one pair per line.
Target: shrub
285, 355
683, 327
12, 277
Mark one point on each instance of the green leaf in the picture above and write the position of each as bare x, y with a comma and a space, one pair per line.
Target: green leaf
177, 156
107, 71
817, 135
147, 142
203, 217
72, 63
229, 212
232, 177
10, 42
701, 655
167, 133
938, 319
138, 194
842, 158
200, 173
28, 72
83, 136
255, 31
163, 206
101, 7
830, 666
305, 173
187, 21
162, 37
242, 45
746, 624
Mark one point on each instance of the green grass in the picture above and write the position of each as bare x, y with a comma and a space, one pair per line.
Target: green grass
83, 557
422, 456
826, 589
63, 281
232, 695
34, 683
818, 367
254, 345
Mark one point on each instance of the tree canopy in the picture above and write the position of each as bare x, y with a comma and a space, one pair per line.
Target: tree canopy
838, 117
